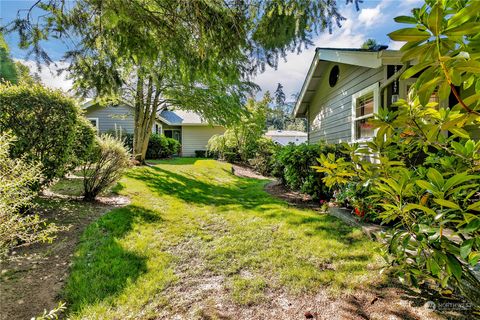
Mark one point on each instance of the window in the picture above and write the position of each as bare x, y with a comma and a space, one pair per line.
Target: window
333, 77
173, 133
364, 106
94, 122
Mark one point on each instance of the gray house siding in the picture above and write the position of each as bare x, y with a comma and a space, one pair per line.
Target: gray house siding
111, 118
330, 112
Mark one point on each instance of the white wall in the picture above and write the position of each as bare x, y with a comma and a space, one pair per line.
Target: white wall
196, 138
286, 140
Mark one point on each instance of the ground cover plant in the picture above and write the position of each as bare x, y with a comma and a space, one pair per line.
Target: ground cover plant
191, 222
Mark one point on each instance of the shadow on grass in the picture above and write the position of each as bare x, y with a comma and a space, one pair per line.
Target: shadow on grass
192, 190
102, 268
243, 193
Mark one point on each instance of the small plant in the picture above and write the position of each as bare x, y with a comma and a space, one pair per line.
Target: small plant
105, 166
17, 226
52, 314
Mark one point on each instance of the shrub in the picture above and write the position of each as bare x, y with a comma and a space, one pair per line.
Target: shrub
263, 161
84, 142
242, 137
293, 166
44, 123
105, 166
160, 147
426, 175
201, 153
17, 178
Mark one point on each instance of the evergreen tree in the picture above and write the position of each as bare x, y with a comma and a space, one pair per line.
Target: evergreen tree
8, 71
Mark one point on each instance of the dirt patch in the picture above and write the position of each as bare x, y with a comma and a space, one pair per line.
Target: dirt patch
32, 277
202, 294
278, 190
246, 172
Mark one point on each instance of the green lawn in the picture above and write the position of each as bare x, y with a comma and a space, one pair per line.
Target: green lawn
192, 219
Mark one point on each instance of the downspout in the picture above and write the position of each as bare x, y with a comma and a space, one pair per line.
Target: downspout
393, 78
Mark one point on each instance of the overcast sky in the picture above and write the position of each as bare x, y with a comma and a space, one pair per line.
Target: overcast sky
374, 20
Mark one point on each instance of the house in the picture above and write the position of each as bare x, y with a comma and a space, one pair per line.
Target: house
345, 87
187, 127
284, 137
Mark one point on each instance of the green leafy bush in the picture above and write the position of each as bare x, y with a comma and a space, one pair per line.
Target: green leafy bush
293, 166
84, 142
263, 160
160, 147
17, 177
206, 154
426, 173
44, 123
242, 137
105, 166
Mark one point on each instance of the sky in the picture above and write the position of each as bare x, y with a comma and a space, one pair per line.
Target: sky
373, 20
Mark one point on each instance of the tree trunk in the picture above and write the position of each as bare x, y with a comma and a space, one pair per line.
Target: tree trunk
145, 113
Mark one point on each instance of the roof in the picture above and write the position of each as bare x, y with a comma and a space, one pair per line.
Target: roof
170, 117
369, 58
285, 133
181, 118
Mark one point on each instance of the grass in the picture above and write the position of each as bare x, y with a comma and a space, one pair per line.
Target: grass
192, 218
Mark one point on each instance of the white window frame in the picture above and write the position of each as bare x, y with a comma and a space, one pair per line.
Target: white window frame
97, 126
375, 88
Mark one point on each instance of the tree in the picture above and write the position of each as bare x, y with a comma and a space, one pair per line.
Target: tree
279, 95
241, 139
8, 71
279, 115
208, 47
369, 44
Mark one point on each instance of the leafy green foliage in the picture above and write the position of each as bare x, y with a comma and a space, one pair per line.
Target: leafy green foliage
194, 55
84, 142
45, 124
18, 177
293, 166
264, 161
424, 177
240, 140
160, 147
8, 71
280, 115
105, 166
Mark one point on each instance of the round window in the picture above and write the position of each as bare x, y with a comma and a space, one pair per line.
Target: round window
334, 74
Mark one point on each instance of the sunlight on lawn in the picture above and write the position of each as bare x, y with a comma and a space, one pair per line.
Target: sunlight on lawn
193, 218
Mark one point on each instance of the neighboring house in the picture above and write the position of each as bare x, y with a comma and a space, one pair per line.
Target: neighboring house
194, 132
284, 137
345, 87
187, 127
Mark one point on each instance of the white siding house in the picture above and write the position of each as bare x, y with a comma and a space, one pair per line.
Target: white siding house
195, 131
344, 88
187, 127
284, 137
